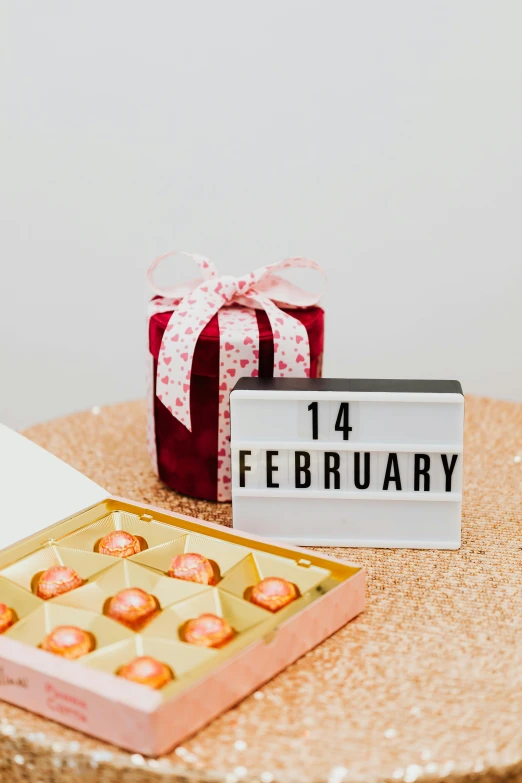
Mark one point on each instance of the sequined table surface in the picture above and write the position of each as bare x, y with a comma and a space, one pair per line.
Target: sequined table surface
425, 684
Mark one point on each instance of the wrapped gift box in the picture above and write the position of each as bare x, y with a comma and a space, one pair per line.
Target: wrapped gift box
54, 515
202, 338
188, 460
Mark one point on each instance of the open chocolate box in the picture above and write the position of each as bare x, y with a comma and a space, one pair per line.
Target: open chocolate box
54, 516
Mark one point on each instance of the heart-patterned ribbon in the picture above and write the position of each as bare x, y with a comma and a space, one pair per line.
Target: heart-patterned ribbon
195, 302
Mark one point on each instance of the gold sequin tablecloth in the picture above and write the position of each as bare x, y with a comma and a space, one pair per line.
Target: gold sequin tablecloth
425, 684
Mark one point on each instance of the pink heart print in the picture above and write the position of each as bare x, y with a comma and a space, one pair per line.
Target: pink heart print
232, 365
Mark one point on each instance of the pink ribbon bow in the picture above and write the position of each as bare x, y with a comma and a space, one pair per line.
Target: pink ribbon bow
195, 302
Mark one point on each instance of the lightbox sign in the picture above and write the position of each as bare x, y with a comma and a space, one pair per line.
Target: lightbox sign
338, 462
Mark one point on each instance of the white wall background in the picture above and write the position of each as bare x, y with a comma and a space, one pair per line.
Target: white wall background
381, 138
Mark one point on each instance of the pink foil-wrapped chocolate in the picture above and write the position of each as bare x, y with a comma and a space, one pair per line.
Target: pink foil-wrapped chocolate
273, 593
133, 607
69, 642
146, 670
57, 580
192, 567
208, 630
7, 617
119, 543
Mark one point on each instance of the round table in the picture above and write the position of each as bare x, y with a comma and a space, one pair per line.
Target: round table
426, 683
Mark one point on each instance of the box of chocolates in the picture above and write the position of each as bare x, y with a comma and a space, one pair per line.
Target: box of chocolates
137, 625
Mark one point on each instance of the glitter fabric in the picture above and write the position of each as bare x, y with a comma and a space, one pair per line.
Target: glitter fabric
423, 684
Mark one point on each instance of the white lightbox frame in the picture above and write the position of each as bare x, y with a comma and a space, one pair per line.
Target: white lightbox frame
421, 422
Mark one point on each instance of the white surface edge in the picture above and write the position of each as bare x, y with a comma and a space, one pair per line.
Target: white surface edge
337, 494
318, 445
368, 543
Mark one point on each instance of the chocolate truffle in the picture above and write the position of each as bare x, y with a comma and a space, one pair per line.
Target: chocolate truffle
132, 607
146, 670
273, 593
69, 642
192, 568
57, 580
119, 543
208, 630
7, 617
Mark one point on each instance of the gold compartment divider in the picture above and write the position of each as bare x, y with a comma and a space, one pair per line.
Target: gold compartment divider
258, 565
150, 533
24, 572
21, 601
34, 628
124, 574
222, 555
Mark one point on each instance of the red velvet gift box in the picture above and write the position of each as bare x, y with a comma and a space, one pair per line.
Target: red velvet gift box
188, 397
